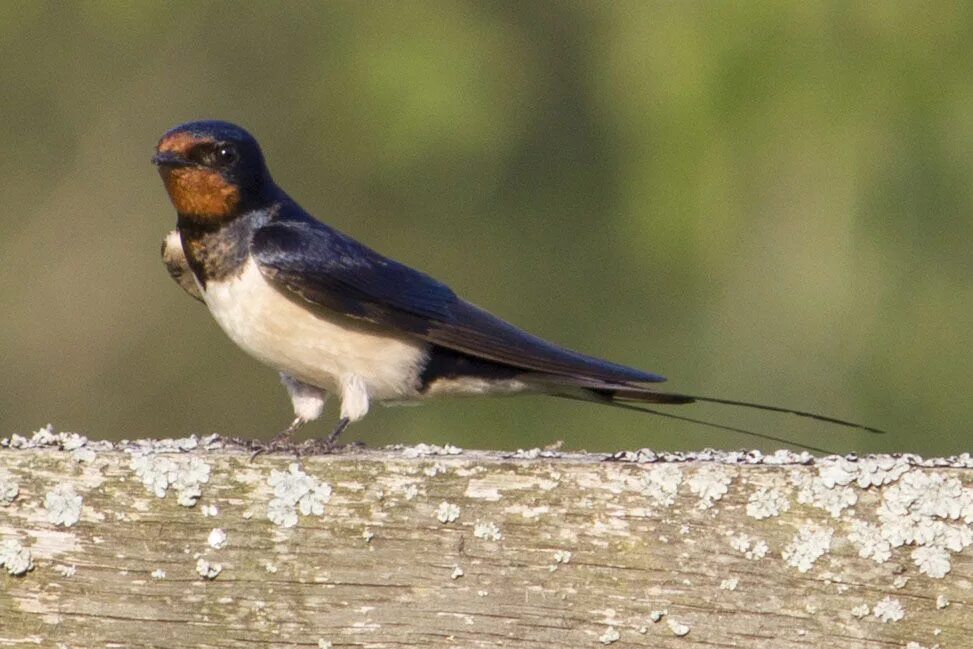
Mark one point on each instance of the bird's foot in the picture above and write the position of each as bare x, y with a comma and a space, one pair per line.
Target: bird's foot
281, 441
330, 443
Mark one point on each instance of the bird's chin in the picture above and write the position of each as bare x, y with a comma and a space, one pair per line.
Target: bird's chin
200, 193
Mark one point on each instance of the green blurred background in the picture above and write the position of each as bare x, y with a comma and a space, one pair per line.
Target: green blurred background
761, 200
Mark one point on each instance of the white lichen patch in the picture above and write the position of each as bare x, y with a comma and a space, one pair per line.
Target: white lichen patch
758, 551
487, 531
825, 493
661, 483
657, 615
678, 628
889, 610
752, 549
158, 573
62, 505
76, 445
560, 557
880, 470
942, 601
932, 560
457, 572
44, 437
809, 545
729, 584
861, 610
767, 502
783, 456
447, 512
8, 488
295, 492
368, 535
208, 569
177, 445
47, 438
216, 539
186, 475
838, 471
709, 482
610, 636
527, 454
931, 511
427, 450
73, 441
869, 541
15, 557
410, 491
210, 511
324, 644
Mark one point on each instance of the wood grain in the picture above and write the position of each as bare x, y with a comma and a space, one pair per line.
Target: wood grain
527, 551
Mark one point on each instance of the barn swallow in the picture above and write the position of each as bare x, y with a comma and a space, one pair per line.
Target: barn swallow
333, 316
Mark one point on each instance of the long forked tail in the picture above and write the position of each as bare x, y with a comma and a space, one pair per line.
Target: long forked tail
633, 398
622, 395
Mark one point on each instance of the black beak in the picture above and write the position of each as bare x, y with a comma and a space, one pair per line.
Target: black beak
169, 159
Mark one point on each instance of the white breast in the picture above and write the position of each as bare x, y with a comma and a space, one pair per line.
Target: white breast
324, 351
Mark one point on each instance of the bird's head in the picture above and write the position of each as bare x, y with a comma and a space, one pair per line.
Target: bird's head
213, 171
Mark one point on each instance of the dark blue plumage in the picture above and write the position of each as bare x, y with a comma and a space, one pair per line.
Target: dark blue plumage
329, 269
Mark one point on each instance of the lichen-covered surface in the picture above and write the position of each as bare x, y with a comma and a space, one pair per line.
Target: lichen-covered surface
189, 543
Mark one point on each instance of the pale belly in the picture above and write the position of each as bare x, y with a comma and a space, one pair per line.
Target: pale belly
321, 351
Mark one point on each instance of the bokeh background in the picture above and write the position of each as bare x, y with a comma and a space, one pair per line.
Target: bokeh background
761, 200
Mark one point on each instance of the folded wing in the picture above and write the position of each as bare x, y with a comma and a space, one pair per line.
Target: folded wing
310, 261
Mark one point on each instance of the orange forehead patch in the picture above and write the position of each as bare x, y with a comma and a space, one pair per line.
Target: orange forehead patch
200, 192
181, 143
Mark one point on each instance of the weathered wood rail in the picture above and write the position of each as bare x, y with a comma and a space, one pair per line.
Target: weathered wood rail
188, 543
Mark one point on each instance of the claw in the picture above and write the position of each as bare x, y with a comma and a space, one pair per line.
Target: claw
281, 441
329, 444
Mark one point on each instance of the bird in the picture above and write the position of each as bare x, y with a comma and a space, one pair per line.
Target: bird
334, 317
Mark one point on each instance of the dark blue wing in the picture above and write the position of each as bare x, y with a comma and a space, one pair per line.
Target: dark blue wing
304, 258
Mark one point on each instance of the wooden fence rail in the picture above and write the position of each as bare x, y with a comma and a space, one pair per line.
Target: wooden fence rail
189, 543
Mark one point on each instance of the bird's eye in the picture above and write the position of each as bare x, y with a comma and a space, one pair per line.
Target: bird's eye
225, 154
213, 155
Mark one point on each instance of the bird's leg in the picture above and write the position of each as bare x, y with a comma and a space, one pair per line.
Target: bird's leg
284, 437
336, 433
354, 406
308, 402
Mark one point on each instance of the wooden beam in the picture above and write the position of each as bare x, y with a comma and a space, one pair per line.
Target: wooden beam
190, 543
